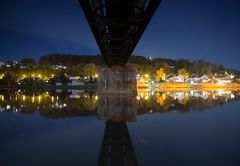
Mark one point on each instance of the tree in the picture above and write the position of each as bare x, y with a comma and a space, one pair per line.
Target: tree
29, 62
76, 70
32, 82
160, 74
62, 78
182, 63
8, 79
146, 69
163, 65
67, 59
90, 70
184, 73
201, 67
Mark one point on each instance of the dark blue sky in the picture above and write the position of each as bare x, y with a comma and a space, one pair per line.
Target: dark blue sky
189, 29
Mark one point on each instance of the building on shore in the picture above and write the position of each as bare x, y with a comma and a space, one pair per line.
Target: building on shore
76, 81
178, 78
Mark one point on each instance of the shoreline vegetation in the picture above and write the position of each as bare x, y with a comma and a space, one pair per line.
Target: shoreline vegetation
63, 71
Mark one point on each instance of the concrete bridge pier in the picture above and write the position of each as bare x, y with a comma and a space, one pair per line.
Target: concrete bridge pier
117, 79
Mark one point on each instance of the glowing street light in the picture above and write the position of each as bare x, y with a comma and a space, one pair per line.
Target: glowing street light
39, 99
138, 98
24, 98
1, 76
146, 75
146, 97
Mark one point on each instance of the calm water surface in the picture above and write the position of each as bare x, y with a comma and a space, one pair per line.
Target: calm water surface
73, 127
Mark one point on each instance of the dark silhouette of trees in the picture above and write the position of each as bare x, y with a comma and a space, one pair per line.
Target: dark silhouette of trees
8, 79
29, 62
61, 78
55, 59
202, 67
193, 67
32, 82
76, 70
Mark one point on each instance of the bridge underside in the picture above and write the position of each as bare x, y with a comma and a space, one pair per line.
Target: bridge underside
117, 25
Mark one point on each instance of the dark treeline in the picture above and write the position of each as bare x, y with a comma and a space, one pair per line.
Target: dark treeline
197, 66
141, 63
67, 59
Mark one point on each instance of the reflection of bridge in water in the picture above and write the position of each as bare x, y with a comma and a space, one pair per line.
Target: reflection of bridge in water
117, 148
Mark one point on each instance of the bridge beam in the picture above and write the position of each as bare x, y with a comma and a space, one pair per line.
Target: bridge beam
118, 24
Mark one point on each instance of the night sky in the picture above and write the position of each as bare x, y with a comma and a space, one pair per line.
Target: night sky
189, 29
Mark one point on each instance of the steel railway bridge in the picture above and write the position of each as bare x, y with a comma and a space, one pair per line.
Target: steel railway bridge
118, 25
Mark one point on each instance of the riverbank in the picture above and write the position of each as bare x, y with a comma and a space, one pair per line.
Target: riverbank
162, 87
185, 86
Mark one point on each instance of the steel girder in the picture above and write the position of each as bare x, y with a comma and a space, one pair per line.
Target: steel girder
118, 25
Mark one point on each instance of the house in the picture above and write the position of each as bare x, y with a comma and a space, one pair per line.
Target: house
178, 78
2, 64
59, 66
75, 81
171, 67
59, 84
204, 78
228, 78
237, 80
197, 80
190, 81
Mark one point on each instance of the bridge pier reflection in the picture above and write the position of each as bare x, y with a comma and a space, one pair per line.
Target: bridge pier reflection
117, 148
